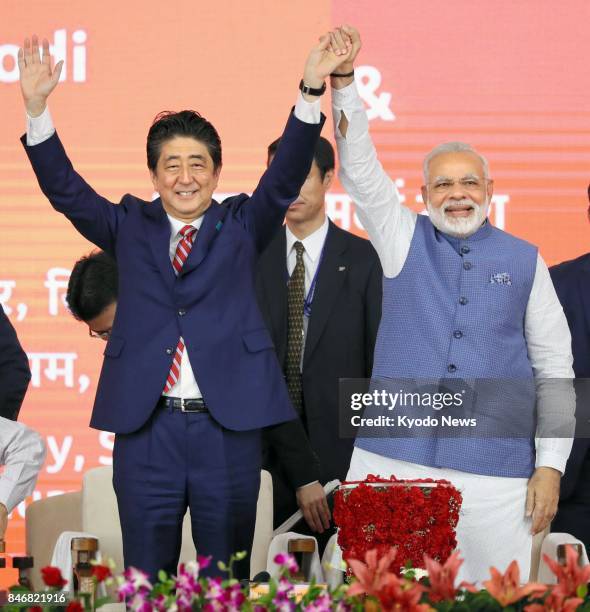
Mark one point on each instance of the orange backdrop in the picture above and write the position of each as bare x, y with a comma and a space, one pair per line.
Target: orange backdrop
510, 78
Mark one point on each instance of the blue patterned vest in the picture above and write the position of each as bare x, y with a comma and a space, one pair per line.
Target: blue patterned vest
455, 311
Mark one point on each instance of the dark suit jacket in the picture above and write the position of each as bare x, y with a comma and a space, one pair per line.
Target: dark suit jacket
340, 341
14, 370
211, 304
572, 283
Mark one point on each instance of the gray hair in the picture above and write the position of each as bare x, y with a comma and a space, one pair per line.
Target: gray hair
453, 147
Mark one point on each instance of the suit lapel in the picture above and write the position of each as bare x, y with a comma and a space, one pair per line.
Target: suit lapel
330, 279
274, 273
158, 237
210, 227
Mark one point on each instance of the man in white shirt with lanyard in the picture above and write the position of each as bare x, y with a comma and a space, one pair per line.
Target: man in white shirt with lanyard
461, 299
319, 290
22, 453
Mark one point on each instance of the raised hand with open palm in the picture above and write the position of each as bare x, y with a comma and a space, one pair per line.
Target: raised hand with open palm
37, 79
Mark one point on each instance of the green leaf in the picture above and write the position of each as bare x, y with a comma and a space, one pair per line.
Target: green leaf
101, 601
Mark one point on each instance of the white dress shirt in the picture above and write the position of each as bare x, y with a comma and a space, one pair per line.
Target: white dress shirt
186, 386
41, 128
22, 453
390, 226
313, 246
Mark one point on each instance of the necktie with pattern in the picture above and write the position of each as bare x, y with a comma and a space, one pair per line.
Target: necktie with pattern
295, 302
187, 237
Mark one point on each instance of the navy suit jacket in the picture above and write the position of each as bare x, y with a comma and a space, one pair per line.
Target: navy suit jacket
14, 370
572, 284
211, 303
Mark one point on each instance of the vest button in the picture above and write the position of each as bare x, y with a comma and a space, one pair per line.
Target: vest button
467, 265
463, 301
452, 368
458, 333
181, 312
169, 351
465, 250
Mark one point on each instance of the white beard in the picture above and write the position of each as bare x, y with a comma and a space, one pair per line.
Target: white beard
459, 227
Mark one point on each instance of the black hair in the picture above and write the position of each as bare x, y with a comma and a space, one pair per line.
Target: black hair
92, 285
323, 155
169, 124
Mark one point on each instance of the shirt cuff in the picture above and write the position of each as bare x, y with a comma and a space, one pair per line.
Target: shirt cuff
308, 112
552, 459
347, 97
308, 484
39, 128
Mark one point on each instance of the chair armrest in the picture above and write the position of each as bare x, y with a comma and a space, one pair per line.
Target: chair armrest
264, 525
45, 519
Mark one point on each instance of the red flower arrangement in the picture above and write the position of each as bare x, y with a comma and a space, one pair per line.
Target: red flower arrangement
52, 577
101, 572
417, 516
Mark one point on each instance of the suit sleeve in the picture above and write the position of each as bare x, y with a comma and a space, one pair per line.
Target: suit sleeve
14, 370
94, 217
264, 212
581, 446
22, 453
373, 298
291, 447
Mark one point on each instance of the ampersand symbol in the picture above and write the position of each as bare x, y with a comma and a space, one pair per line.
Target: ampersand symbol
368, 82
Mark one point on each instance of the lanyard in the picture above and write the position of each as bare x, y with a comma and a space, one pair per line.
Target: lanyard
310, 294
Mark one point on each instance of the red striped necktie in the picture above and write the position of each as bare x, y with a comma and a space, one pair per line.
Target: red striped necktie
187, 236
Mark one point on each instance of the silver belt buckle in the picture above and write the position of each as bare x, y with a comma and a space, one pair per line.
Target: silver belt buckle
183, 407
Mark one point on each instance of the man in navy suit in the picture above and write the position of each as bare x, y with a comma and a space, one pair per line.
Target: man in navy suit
572, 284
190, 375
14, 370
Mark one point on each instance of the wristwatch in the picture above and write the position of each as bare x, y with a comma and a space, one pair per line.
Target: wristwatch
311, 91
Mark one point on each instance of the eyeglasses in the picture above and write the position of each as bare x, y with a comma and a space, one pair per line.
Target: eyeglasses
471, 184
102, 335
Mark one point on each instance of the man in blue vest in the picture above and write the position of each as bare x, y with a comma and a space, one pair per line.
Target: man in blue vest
461, 300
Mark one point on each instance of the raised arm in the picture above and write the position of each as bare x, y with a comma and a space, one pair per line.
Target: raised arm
280, 184
389, 224
93, 216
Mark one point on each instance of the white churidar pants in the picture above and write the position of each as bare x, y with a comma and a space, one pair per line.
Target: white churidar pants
492, 528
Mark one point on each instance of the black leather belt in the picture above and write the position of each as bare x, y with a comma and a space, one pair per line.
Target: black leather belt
184, 405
